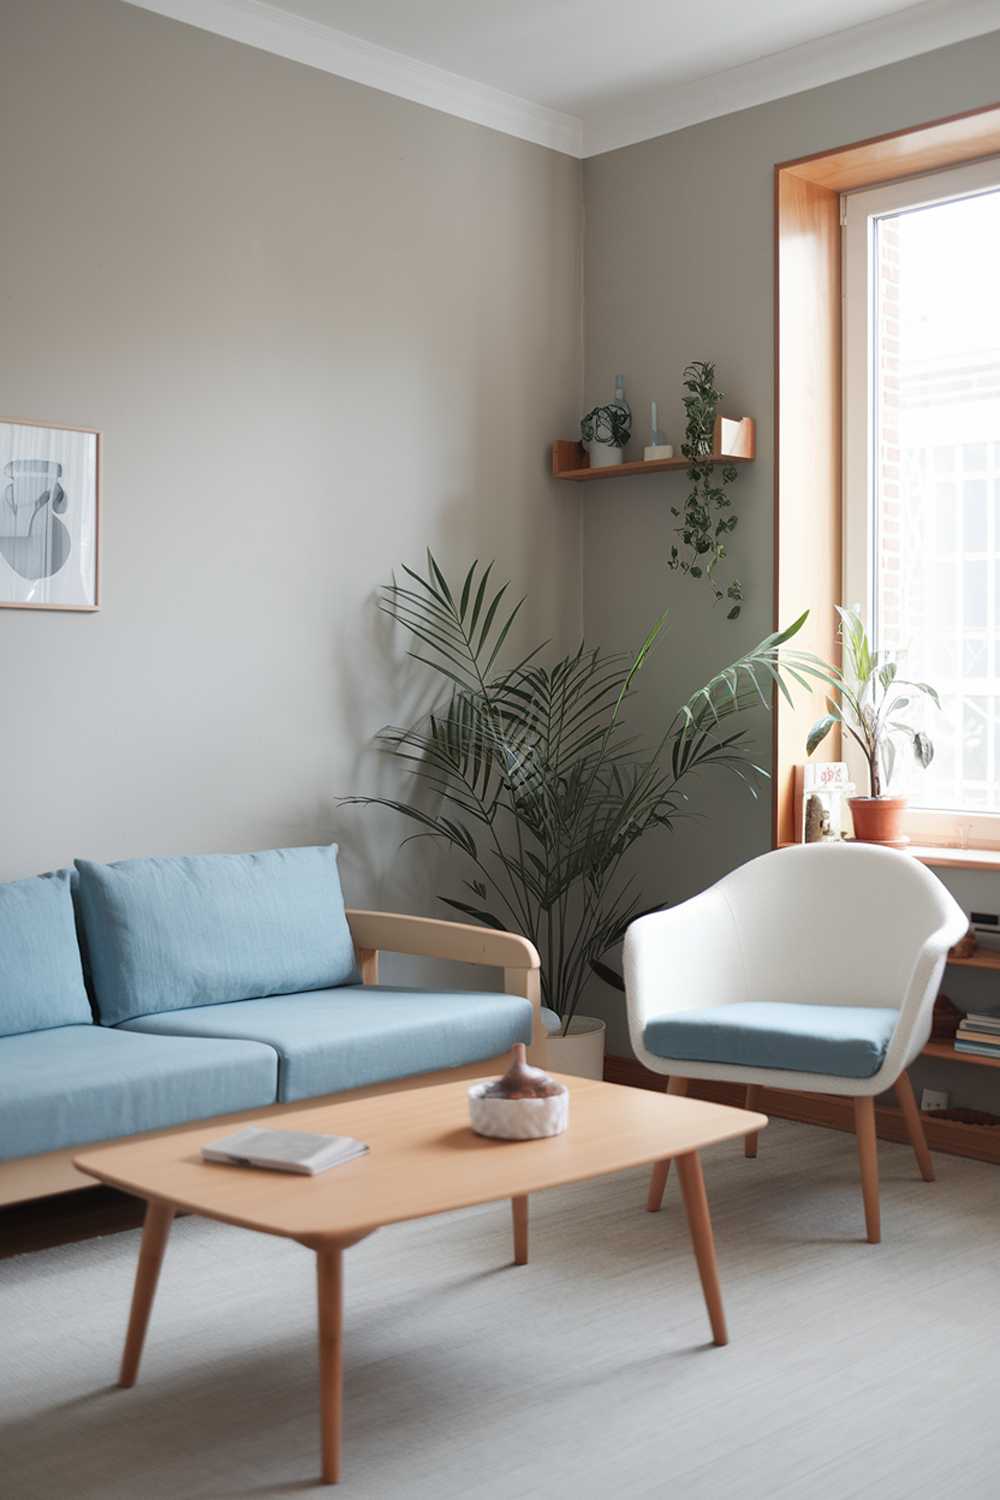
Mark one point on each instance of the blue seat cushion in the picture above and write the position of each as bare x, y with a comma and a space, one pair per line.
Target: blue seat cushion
355, 1035
846, 1041
41, 974
76, 1084
165, 934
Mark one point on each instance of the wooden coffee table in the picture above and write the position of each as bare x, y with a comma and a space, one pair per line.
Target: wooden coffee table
424, 1160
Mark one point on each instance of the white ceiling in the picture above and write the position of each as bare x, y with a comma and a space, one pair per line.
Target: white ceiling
588, 75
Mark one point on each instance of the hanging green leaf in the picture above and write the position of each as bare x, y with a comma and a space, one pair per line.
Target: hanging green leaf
702, 536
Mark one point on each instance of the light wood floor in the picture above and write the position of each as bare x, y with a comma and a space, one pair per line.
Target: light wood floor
854, 1370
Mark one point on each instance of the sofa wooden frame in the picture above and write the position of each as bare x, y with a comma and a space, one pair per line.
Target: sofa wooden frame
374, 932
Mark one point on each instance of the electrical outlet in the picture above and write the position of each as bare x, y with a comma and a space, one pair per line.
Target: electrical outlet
933, 1099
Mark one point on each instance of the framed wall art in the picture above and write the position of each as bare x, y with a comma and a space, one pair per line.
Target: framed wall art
50, 501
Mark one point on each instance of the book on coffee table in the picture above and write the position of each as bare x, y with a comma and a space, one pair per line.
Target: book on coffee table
284, 1150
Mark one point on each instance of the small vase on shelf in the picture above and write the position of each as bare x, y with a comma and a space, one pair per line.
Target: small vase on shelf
657, 447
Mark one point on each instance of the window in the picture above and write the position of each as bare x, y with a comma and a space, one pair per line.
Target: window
922, 472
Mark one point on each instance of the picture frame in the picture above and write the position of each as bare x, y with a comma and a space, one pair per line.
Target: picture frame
822, 789
50, 516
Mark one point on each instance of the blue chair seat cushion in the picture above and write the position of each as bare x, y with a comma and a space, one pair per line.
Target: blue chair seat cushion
356, 1035
845, 1041
74, 1084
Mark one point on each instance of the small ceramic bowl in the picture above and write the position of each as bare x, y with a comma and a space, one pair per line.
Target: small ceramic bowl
517, 1119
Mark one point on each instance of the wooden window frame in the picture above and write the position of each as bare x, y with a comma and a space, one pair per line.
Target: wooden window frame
808, 412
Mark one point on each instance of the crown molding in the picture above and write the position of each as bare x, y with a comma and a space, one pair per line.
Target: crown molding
919, 28
264, 26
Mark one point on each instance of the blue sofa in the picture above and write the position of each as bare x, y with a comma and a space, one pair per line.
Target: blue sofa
154, 993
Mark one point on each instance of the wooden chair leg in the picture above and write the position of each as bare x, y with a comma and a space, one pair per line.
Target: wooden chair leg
519, 1214
700, 1225
156, 1230
661, 1169
864, 1126
750, 1102
914, 1126
330, 1307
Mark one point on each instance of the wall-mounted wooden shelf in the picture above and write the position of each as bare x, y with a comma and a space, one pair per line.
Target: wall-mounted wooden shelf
734, 442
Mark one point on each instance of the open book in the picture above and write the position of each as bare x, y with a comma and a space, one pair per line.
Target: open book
284, 1150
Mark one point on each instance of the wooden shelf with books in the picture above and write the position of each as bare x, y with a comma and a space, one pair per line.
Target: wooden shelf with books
946, 1052
983, 958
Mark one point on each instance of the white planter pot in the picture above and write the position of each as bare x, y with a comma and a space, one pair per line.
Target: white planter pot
604, 456
581, 1052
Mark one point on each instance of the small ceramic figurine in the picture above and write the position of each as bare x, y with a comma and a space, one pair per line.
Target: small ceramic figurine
817, 821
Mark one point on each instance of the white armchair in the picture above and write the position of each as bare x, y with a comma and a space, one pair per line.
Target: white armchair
811, 968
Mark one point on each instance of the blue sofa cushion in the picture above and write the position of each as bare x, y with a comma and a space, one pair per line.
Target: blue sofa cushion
76, 1084
165, 934
346, 1038
41, 975
846, 1041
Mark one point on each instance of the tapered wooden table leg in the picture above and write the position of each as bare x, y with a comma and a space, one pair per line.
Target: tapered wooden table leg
661, 1169
156, 1231
864, 1126
700, 1226
519, 1213
750, 1141
330, 1298
914, 1126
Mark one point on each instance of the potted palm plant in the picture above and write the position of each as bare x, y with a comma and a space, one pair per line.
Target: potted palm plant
526, 770
871, 703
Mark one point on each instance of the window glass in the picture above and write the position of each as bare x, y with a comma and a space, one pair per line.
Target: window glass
936, 481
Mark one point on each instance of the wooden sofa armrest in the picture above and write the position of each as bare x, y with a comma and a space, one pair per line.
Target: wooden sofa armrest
463, 942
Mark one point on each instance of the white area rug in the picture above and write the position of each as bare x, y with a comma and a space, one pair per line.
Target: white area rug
854, 1371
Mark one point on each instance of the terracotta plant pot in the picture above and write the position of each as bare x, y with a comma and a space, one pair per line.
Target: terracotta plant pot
879, 820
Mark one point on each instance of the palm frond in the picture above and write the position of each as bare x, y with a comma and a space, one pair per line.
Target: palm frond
529, 770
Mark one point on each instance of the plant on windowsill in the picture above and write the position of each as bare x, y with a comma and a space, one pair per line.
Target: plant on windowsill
870, 704
529, 774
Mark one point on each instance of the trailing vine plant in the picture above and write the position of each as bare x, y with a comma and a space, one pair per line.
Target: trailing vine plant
705, 521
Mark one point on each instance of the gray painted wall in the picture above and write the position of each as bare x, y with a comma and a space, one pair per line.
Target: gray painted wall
320, 328
679, 265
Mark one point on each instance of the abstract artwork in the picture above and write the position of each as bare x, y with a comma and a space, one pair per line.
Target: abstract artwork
49, 516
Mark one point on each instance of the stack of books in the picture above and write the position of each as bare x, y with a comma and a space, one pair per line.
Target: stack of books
979, 1033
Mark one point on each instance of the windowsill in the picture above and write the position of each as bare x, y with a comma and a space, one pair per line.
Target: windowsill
956, 859
943, 856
